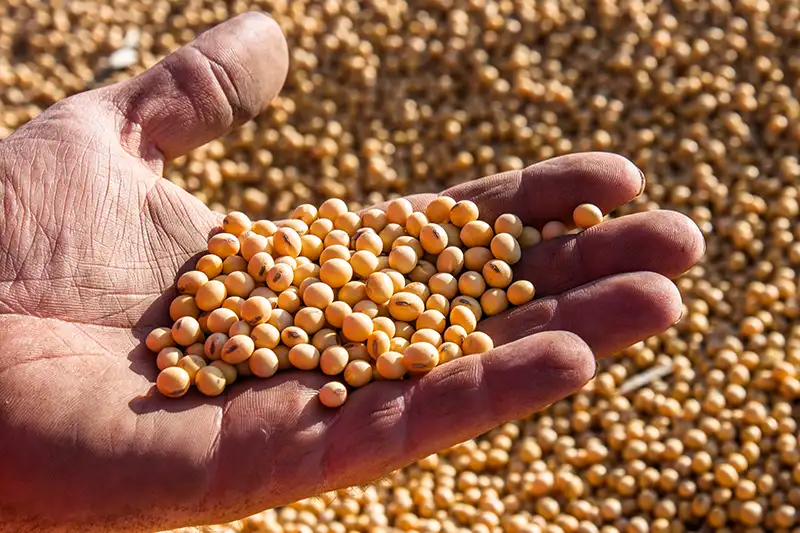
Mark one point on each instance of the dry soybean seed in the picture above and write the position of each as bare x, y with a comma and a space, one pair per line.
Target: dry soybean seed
403, 259
280, 319
337, 237
433, 238
197, 348
234, 303
475, 258
471, 284
318, 295
186, 331
476, 233
212, 348
462, 316
220, 320
240, 284
510, 224
310, 319
444, 284
210, 381
168, 357
434, 320
305, 212
311, 247
520, 292
337, 251
243, 369
406, 306
420, 289
554, 229
437, 302
477, 342
506, 248
438, 210
497, 274
357, 351
451, 260
397, 211
390, 365
587, 215
238, 349
398, 280
210, 265
280, 277
358, 373
286, 260
304, 357
375, 219
295, 224
348, 222
228, 370
494, 301
264, 228
256, 310
364, 263
420, 357
336, 312
415, 222
283, 357
294, 336
379, 287
336, 273
407, 240
251, 246
427, 335
287, 241
236, 223
289, 300
384, 324
449, 351
191, 364
389, 234
306, 283
324, 339
369, 242
463, 212
455, 335
240, 328
190, 282
259, 265
470, 302
422, 272
332, 208
333, 360
357, 327
333, 394
173, 382
223, 245
265, 336
377, 343
399, 345
453, 234
183, 305
304, 272
321, 227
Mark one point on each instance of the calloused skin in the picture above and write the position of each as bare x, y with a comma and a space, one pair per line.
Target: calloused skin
92, 239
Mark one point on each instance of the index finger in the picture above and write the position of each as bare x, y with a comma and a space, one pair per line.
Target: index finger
550, 190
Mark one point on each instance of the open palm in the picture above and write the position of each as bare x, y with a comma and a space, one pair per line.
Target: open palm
92, 240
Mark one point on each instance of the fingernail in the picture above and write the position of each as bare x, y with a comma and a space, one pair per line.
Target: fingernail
644, 182
596, 368
683, 310
705, 246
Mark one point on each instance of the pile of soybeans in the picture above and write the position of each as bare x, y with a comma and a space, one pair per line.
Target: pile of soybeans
691, 430
378, 295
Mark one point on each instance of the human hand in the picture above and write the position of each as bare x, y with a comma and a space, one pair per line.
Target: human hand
91, 239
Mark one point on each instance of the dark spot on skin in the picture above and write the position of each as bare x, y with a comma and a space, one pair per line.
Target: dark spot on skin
232, 349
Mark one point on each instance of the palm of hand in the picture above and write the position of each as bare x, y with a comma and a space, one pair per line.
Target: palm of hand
92, 240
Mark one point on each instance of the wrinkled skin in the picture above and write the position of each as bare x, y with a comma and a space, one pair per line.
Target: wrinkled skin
91, 243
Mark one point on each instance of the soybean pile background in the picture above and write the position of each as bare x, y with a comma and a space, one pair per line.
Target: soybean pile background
386, 98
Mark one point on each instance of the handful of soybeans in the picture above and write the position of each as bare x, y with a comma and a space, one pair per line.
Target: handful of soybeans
380, 295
